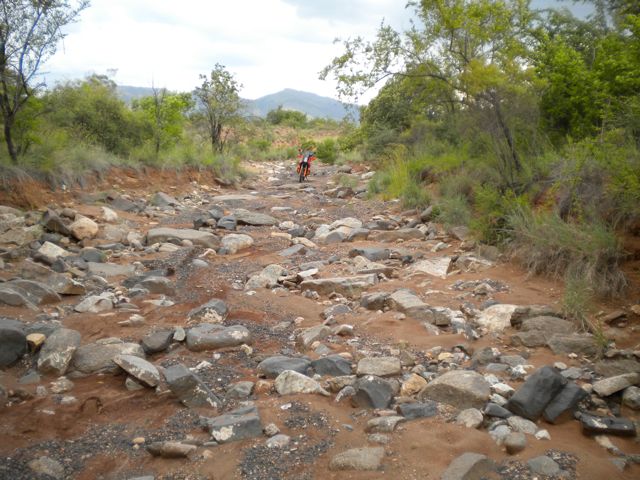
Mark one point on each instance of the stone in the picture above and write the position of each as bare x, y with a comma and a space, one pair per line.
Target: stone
573, 343
139, 368
519, 424
60, 283
157, 285
271, 430
239, 390
268, 278
409, 303
459, 388
363, 459
564, 403
436, 267
371, 253
530, 400
497, 317
499, 433
290, 382
273, 366
372, 392
405, 234
515, 442
227, 222
332, 365
418, 409
245, 217
170, 449
215, 310
157, 341
48, 467
618, 366
96, 303
278, 441
13, 341
384, 424
50, 252
161, 199
189, 388
347, 286
374, 301
412, 385
234, 242
495, 410
83, 228
21, 235
209, 336
469, 466
108, 270
379, 366
543, 465
52, 222
611, 385
631, 397
27, 293
595, 425
61, 385
236, 425
58, 350
310, 335
108, 215
470, 418
336, 310
98, 357
197, 237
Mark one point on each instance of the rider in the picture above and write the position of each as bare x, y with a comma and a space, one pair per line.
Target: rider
309, 155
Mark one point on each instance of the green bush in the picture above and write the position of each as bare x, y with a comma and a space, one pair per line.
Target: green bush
492, 210
415, 196
458, 184
327, 151
454, 211
546, 244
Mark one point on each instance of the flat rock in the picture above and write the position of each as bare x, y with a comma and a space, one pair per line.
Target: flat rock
215, 310
592, 424
197, 237
372, 392
273, 366
407, 302
379, 366
371, 253
290, 382
543, 465
459, 388
469, 466
573, 343
332, 365
58, 350
189, 388
48, 467
108, 270
347, 286
245, 217
366, 459
313, 334
564, 403
609, 386
98, 357
436, 267
139, 368
208, 336
170, 449
374, 301
234, 198
395, 235
234, 242
162, 199
236, 425
418, 409
497, 317
530, 400
384, 424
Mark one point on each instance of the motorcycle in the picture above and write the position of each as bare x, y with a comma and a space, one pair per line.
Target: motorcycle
304, 167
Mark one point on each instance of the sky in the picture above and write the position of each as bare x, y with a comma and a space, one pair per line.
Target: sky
268, 45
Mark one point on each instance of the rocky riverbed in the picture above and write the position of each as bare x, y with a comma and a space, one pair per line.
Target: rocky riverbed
280, 330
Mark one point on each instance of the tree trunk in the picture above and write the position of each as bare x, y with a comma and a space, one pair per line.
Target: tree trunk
11, 148
506, 131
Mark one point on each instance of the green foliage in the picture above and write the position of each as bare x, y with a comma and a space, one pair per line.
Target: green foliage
454, 211
546, 244
290, 118
577, 300
327, 150
492, 212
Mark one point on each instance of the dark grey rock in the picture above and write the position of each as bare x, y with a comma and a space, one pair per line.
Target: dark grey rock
157, 285
58, 350
93, 255
607, 425
189, 388
298, 249
53, 223
469, 466
157, 341
563, 344
336, 310
333, 365
373, 254
460, 388
13, 341
372, 392
228, 222
543, 465
494, 410
236, 425
98, 357
530, 400
214, 310
417, 410
273, 366
564, 403
207, 336
239, 390
515, 442
374, 301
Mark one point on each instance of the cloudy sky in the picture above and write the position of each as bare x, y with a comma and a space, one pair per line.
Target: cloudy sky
267, 44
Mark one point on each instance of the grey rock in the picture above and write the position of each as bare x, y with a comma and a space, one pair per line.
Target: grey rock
139, 368
170, 449
373, 254
607, 425
157, 285
313, 334
228, 222
47, 466
543, 465
469, 466
436, 267
236, 425
470, 418
273, 366
189, 388
245, 217
52, 222
374, 301
618, 366
96, 303
13, 341
611, 385
395, 235
379, 366
197, 237
409, 303
267, 278
333, 365
459, 388
58, 350
234, 242
278, 441
157, 341
515, 442
208, 336
215, 310
162, 199
365, 459
495, 410
108, 270
98, 357
573, 343
536, 392
347, 286
290, 382
385, 424
519, 424
631, 398
564, 403
418, 410
239, 390
335, 310
372, 392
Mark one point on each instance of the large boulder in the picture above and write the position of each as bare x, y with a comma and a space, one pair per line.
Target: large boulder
139, 368
189, 387
210, 336
459, 388
533, 396
84, 228
13, 341
98, 357
372, 392
245, 217
58, 350
273, 366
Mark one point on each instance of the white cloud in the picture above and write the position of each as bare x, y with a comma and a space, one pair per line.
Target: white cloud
267, 44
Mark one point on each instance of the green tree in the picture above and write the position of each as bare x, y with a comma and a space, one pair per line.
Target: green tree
165, 111
29, 33
218, 97
291, 118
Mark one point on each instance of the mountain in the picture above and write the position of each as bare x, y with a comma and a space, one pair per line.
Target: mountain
314, 106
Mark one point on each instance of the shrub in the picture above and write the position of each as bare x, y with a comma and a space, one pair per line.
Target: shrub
415, 196
327, 151
492, 211
546, 244
454, 211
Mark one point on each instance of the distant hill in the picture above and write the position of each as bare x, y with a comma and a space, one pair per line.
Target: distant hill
314, 106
